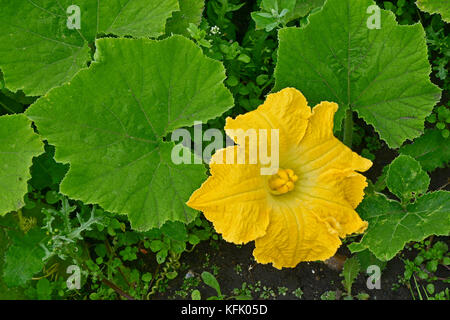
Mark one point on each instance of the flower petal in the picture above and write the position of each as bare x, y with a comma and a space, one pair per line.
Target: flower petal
320, 150
328, 183
353, 187
234, 198
306, 223
295, 234
286, 110
334, 195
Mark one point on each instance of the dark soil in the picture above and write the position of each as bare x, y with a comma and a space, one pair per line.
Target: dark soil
314, 278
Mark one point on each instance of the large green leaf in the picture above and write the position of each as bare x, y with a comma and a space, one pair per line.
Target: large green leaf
110, 122
23, 259
18, 145
436, 6
382, 74
190, 12
406, 179
39, 51
303, 7
432, 150
391, 226
6, 224
366, 259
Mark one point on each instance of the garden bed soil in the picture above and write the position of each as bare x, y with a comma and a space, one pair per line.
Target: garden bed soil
313, 278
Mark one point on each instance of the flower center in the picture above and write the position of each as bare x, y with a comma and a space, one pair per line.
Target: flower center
282, 182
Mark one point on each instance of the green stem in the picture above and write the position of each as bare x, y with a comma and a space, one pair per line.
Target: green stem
348, 128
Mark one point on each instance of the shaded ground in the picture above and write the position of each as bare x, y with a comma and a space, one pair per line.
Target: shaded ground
235, 265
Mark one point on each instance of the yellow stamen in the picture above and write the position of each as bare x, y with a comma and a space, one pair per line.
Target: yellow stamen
283, 181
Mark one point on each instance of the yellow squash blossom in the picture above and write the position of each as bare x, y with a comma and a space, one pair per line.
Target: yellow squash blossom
301, 212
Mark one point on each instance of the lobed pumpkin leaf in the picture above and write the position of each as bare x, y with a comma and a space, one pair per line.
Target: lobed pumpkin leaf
18, 145
112, 133
39, 51
303, 7
382, 74
406, 179
432, 150
23, 259
391, 226
7, 224
441, 7
366, 259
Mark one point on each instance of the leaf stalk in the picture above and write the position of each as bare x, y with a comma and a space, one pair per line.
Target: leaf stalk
348, 127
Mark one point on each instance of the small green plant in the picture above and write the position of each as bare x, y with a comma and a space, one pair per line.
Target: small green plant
244, 291
443, 295
419, 212
196, 295
210, 280
350, 273
238, 269
441, 119
267, 293
405, 10
298, 293
421, 271
329, 295
273, 16
370, 143
282, 291
190, 281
